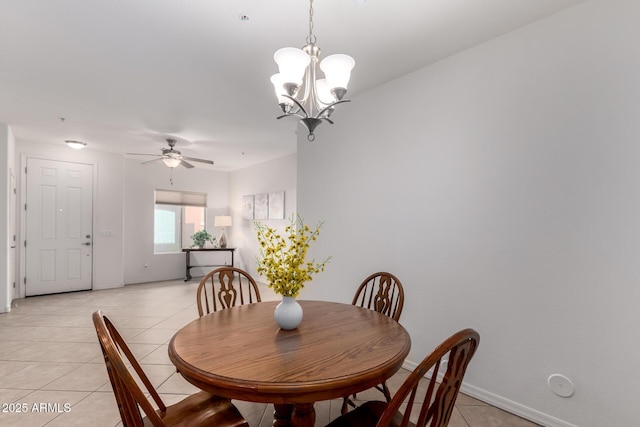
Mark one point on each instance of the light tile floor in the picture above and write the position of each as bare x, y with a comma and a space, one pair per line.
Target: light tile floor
52, 372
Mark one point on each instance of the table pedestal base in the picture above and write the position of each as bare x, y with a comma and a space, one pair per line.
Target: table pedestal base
299, 415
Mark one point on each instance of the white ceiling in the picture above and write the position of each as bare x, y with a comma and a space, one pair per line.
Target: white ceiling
125, 74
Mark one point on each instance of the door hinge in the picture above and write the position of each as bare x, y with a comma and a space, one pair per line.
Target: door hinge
25, 206
25, 280
25, 243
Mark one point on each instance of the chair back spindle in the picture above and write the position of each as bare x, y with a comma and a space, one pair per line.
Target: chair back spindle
200, 409
440, 397
226, 287
435, 406
381, 292
129, 395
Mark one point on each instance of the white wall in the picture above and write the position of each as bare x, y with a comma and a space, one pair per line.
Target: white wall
141, 182
107, 205
502, 187
275, 175
7, 253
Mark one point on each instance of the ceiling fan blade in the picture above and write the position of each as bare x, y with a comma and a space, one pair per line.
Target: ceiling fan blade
193, 159
186, 165
151, 161
143, 154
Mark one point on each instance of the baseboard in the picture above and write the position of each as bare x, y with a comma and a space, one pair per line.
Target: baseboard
506, 404
107, 286
514, 407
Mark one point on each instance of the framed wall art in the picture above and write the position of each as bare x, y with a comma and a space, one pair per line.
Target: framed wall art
276, 205
261, 206
247, 207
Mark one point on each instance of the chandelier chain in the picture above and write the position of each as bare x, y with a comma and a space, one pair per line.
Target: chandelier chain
311, 38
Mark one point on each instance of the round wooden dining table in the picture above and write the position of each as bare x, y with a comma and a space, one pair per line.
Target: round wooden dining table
338, 349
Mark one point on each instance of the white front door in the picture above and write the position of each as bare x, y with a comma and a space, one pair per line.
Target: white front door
58, 226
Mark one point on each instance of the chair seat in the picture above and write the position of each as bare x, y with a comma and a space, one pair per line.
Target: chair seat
366, 415
201, 409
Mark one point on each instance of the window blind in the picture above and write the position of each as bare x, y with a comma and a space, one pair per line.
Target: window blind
181, 198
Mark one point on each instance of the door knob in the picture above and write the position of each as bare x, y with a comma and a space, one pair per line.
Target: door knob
87, 243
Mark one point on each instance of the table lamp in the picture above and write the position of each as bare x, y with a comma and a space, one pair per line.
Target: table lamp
222, 221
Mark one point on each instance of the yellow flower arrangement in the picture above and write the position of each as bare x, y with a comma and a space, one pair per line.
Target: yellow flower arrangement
282, 260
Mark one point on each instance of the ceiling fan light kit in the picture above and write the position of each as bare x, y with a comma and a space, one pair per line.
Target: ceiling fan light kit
319, 96
171, 162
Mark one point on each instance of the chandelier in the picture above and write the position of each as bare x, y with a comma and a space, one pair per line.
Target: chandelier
317, 97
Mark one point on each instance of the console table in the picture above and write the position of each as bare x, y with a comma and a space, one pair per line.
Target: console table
189, 266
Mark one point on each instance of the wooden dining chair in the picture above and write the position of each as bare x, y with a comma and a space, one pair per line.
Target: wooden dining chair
434, 407
226, 287
383, 293
200, 409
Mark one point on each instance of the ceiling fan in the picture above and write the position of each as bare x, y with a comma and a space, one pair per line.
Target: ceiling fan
172, 158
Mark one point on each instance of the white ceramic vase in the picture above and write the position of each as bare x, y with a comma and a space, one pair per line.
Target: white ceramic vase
288, 314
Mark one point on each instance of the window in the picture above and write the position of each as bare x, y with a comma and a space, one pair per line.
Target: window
178, 214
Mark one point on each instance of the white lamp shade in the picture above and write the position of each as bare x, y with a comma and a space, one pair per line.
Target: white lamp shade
278, 85
222, 221
337, 70
292, 63
324, 92
171, 162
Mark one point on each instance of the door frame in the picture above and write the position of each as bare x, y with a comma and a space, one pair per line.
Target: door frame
21, 289
13, 235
